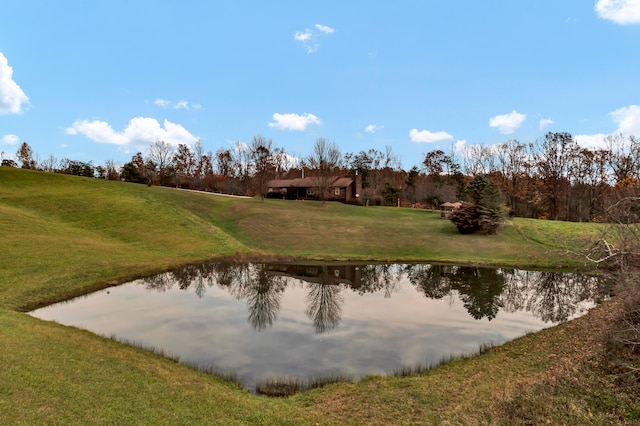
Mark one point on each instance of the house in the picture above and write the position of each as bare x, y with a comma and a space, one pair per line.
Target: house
344, 189
447, 208
328, 274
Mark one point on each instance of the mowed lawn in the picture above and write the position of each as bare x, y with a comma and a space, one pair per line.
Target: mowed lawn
62, 236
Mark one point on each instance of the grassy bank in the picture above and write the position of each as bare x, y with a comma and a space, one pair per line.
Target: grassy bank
64, 235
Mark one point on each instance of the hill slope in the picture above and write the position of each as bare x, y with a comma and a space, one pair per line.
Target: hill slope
64, 235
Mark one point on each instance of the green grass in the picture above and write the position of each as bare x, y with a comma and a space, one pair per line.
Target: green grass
65, 235
62, 236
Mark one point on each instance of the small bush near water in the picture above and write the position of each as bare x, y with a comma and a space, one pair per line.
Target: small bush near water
227, 376
148, 348
287, 386
279, 387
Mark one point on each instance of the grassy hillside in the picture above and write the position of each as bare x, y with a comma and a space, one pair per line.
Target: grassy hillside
64, 235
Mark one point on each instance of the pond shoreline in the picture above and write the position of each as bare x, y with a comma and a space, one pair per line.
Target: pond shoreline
69, 236
261, 258
422, 312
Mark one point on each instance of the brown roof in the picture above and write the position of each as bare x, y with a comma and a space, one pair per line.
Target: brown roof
455, 205
307, 182
342, 182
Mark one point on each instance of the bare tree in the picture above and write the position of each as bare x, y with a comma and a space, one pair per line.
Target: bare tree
50, 164
161, 154
260, 152
514, 167
624, 160
324, 160
185, 163
588, 177
112, 170
553, 165
283, 162
479, 160
200, 161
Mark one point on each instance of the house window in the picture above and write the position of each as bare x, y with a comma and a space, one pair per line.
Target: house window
337, 191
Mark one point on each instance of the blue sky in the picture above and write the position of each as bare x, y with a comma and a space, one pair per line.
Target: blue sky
101, 80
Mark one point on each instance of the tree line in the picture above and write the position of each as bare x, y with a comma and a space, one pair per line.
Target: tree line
553, 178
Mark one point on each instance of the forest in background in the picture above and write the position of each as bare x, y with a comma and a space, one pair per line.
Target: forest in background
553, 178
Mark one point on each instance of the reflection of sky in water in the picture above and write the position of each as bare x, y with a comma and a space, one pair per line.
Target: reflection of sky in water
375, 335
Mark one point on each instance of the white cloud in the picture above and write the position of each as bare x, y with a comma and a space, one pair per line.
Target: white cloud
591, 141
507, 123
139, 131
459, 146
425, 136
619, 11
9, 140
162, 102
287, 161
372, 128
303, 36
12, 98
545, 122
293, 121
628, 121
324, 28
310, 37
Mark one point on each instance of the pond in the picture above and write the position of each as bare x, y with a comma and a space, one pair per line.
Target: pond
260, 321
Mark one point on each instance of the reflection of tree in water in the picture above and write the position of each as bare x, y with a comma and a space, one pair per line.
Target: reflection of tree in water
375, 278
324, 306
479, 289
249, 282
515, 293
195, 276
261, 290
432, 280
550, 296
192, 276
159, 283
234, 277
263, 293
324, 301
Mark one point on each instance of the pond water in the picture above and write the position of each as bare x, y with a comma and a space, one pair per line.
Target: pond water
262, 321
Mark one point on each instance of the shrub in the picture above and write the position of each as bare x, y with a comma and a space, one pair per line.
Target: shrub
491, 219
467, 218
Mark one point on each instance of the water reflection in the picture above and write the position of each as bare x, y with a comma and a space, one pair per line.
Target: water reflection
263, 320
551, 296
